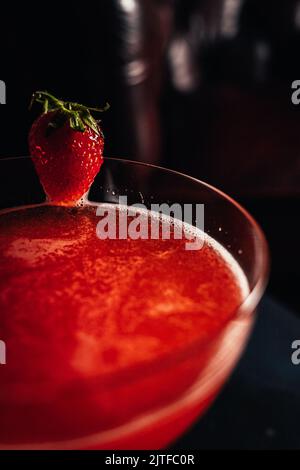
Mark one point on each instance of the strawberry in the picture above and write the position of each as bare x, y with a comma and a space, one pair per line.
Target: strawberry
66, 145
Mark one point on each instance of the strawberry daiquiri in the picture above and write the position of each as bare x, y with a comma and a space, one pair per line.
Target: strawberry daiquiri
89, 324
108, 341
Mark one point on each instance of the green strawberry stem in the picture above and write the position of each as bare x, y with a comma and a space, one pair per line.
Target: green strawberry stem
78, 115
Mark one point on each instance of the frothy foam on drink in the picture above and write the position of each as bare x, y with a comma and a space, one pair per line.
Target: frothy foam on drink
77, 309
191, 231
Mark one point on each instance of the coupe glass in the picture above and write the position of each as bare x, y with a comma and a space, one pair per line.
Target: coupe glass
156, 426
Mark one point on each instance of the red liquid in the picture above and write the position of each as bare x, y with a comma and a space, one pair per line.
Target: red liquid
97, 332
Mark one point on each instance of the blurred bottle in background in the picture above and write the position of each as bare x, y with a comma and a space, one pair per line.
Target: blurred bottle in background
231, 65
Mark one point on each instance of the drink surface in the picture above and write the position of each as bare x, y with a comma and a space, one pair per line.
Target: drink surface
87, 323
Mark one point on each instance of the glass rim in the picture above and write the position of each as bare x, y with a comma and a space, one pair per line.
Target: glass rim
255, 293
246, 307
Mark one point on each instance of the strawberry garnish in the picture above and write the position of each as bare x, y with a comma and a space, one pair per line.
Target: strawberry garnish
66, 144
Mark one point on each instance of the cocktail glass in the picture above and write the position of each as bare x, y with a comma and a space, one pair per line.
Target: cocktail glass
157, 424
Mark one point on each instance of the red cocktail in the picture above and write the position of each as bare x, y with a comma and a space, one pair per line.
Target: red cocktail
120, 343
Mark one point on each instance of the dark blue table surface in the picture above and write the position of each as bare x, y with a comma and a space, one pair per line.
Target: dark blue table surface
259, 408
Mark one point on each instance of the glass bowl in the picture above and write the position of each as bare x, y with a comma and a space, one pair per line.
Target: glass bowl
204, 366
